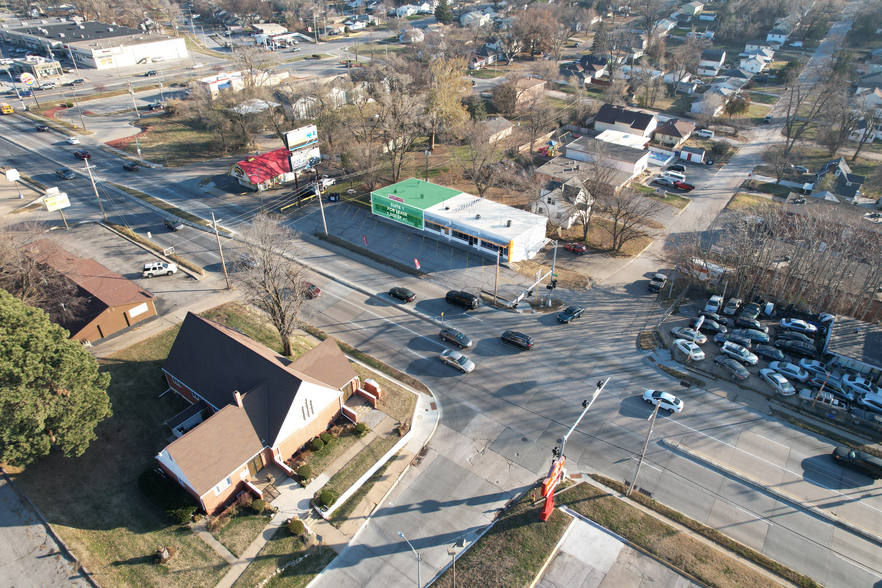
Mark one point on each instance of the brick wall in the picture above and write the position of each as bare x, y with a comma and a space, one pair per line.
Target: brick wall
319, 424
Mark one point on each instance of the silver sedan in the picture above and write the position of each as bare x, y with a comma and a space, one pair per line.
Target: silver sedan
457, 360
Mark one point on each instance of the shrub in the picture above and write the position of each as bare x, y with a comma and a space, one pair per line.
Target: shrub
69, 104
317, 444
325, 437
258, 506
245, 500
167, 495
328, 497
360, 429
316, 56
296, 527
305, 471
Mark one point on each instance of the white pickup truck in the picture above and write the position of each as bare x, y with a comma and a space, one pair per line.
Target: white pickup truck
159, 268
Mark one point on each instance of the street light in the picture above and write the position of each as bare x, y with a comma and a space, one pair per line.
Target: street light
419, 575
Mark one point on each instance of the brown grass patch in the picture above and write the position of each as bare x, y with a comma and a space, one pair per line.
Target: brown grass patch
569, 279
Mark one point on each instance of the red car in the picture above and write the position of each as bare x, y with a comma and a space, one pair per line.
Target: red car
576, 248
312, 291
82, 155
684, 186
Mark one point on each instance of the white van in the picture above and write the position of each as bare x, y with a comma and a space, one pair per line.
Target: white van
706, 133
674, 175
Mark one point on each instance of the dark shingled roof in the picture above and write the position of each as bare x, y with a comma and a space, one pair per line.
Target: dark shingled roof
676, 128
611, 114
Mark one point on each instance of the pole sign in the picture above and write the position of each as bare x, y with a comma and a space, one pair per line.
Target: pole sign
551, 482
27, 79
12, 175
299, 138
56, 202
394, 208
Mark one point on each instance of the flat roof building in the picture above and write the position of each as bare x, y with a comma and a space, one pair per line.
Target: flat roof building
456, 217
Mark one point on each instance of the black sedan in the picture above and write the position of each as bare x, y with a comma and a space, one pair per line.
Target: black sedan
709, 326
65, 173
794, 336
130, 166
753, 335
713, 316
734, 338
402, 294
735, 369
571, 313
769, 353
42, 128
749, 323
870, 464
796, 348
456, 337
518, 339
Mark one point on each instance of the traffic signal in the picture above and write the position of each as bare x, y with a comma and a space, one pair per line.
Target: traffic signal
553, 283
550, 286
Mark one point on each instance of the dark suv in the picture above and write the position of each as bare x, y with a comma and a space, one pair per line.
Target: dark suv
464, 299
517, 339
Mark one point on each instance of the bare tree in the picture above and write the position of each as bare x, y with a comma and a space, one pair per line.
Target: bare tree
629, 215
270, 279
685, 59
649, 12
779, 159
872, 118
840, 119
479, 158
806, 99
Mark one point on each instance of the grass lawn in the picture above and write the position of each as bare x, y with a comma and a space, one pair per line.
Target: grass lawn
672, 199
774, 189
341, 515
758, 98
569, 279
280, 550
161, 204
93, 501
361, 463
512, 552
398, 402
175, 141
319, 460
241, 531
599, 239
487, 74
742, 200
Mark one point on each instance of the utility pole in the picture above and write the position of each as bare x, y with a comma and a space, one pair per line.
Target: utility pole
428, 153
553, 277
79, 110
318, 194
94, 187
645, 445
496, 285
220, 250
134, 104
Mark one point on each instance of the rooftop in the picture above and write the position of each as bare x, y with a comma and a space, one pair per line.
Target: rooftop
624, 139
484, 218
417, 193
564, 169
857, 340
83, 31
611, 150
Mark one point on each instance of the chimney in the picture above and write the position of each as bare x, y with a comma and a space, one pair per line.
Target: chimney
238, 398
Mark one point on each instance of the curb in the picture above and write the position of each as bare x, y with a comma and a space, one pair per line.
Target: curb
836, 520
156, 253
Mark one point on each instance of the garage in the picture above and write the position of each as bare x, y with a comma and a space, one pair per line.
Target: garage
692, 154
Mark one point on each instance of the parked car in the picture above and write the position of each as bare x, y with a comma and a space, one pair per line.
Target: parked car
65, 173
689, 349
735, 369
689, 335
73, 141
46, 86
518, 339
158, 268
768, 119
246, 260
714, 304
800, 326
769, 353
796, 348
455, 337
173, 224
576, 248
685, 186
814, 367
42, 128
732, 306
753, 335
663, 181
708, 325
854, 458
82, 155
749, 323
722, 338
665, 400
859, 385
677, 167
657, 282
751, 310
822, 399
570, 313
871, 401
26, 93
457, 360
790, 370
778, 382
833, 386
130, 166
800, 169
713, 316
739, 353
464, 299
311, 290
402, 294
793, 336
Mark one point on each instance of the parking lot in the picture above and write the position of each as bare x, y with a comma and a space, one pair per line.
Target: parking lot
697, 174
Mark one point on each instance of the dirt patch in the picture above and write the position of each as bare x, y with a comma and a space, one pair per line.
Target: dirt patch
124, 142
569, 279
647, 341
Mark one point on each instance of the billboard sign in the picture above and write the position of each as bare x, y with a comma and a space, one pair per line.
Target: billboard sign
56, 202
305, 158
302, 137
27, 79
389, 207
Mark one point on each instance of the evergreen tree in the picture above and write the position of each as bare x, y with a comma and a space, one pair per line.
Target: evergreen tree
443, 12
51, 393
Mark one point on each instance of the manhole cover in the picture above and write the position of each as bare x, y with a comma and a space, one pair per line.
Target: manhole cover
524, 439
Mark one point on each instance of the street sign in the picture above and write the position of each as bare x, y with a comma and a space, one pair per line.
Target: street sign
27, 79
12, 175
56, 202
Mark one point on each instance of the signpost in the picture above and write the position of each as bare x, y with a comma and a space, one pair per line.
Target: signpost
394, 208
55, 200
13, 176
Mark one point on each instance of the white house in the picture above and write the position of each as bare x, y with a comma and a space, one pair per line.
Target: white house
624, 72
753, 64
630, 160
673, 77
712, 59
777, 37
871, 99
564, 204
355, 4
712, 101
693, 8
664, 26
411, 36
474, 19
406, 10
355, 25
757, 45
858, 133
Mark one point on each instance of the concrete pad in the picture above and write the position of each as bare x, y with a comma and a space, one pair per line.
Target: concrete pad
592, 545
789, 547
518, 448
620, 577
482, 430
566, 571
738, 524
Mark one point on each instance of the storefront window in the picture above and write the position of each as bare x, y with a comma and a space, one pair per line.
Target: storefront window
434, 227
460, 236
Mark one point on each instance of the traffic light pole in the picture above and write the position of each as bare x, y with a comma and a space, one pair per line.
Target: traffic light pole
553, 275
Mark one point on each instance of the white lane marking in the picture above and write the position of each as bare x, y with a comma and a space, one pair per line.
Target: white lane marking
771, 440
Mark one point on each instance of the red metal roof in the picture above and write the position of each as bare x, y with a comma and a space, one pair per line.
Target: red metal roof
269, 165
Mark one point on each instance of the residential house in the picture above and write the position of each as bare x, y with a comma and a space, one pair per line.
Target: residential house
868, 83
593, 59
355, 25
739, 76
490, 55
872, 66
871, 99
353, 4
565, 204
862, 129
753, 64
529, 90
474, 19
700, 35
693, 8
497, 128
664, 26
674, 132
846, 185
711, 62
405, 11
562, 170
757, 45
777, 37
476, 61
642, 72
251, 408
688, 88
426, 7
617, 118
630, 160
712, 101
674, 77
113, 303
411, 36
